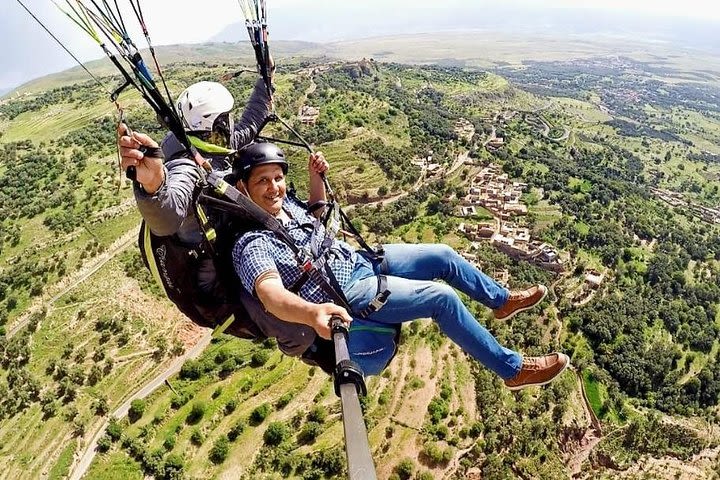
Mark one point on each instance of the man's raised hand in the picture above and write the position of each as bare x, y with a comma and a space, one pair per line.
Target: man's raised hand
149, 170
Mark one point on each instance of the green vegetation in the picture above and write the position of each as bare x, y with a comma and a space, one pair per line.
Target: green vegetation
61, 469
242, 406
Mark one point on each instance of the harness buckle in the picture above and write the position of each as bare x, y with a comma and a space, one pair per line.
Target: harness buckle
379, 301
306, 266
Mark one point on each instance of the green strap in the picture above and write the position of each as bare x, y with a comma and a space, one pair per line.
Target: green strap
221, 328
209, 147
363, 328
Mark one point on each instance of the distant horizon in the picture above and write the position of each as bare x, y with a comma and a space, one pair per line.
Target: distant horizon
345, 23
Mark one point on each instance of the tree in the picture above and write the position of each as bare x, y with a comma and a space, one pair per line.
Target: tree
191, 370
275, 433
95, 374
161, 346
114, 429
405, 468
100, 405
137, 408
104, 443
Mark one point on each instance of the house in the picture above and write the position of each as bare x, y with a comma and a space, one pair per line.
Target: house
593, 279
308, 115
468, 211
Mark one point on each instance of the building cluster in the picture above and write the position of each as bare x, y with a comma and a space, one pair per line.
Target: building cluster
428, 166
516, 242
464, 129
593, 280
308, 115
495, 143
674, 199
492, 190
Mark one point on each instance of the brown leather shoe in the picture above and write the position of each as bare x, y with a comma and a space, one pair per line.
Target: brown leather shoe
519, 301
538, 371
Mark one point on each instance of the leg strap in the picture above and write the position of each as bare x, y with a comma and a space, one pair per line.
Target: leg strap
380, 298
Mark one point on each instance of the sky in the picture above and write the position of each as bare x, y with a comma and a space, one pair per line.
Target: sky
29, 52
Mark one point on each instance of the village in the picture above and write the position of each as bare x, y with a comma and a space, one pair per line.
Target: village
674, 199
492, 190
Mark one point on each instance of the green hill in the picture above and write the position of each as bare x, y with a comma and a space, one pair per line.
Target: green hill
599, 142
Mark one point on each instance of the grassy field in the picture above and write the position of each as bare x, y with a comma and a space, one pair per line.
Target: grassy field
592, 388
250, 387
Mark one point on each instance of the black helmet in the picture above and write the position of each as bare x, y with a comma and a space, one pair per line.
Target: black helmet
258, 153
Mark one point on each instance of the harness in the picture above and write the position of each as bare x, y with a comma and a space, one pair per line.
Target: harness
312, 262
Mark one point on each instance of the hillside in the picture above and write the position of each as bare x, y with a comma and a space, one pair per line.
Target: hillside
614, 161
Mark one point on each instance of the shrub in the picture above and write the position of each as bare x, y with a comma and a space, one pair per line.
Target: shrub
260, 414
331, 462
260, 358
309, 432
275, 433
416, 383
317, 414
236, 430
438, 409
284, 400
174, 466
219, 451
179, 400
197, 412
230, 406
197, 437
169, 442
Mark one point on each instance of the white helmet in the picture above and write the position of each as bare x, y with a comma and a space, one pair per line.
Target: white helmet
201, 103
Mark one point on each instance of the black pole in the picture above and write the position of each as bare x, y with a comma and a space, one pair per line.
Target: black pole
349, 384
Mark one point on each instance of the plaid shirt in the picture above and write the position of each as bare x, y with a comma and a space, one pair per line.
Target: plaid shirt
260, 251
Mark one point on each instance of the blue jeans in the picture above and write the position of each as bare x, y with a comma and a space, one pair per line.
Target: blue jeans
410, 271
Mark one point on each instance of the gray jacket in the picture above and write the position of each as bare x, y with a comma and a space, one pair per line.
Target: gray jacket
169, 210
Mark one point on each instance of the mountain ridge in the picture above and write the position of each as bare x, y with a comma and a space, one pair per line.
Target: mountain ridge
470, 48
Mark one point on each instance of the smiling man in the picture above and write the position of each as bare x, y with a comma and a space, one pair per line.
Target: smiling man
267, 268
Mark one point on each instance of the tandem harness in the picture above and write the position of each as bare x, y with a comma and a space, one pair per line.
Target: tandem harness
313, 264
